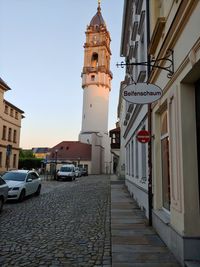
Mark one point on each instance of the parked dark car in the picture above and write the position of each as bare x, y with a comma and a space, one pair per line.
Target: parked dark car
84, 172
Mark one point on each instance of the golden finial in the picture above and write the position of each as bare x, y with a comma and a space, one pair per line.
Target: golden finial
99, 7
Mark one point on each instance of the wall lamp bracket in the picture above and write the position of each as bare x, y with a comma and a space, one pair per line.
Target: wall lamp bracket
155, 63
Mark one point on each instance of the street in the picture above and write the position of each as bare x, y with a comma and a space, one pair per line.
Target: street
67, 225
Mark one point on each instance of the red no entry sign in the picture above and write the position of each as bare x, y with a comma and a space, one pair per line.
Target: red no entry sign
143, 136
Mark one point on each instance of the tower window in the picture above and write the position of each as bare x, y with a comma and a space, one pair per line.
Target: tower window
94, 60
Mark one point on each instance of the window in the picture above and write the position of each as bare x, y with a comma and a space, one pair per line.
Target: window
11, 112
94, 60
9, 134
136, 160
129, 159
92, 77
144, 160
14, 136
4, 132
139, 6
132, 149
14, 160
165, 161
6, 109
2, 182
16, 115
0, 159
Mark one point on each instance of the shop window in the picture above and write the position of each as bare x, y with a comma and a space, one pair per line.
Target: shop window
165, 161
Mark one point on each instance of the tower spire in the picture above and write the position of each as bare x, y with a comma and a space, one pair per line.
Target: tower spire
99, 6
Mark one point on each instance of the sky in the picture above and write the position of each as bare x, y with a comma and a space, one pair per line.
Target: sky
41, 60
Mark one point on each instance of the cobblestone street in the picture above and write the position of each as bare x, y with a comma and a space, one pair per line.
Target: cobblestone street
67, 225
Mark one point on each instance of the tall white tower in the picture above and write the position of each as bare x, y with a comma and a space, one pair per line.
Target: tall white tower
96, 84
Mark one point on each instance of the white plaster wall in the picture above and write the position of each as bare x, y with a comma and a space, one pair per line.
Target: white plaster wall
95, 109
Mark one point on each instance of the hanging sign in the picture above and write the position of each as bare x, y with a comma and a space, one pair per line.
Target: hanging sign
142, 93
143, 136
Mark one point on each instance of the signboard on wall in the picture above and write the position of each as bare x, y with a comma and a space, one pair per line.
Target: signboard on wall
142, 93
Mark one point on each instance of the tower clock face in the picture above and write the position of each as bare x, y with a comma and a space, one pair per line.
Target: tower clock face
95, 39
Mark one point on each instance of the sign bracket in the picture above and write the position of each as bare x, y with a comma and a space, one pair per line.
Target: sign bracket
154, 63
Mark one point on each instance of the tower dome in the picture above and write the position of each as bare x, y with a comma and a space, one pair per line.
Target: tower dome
97, 20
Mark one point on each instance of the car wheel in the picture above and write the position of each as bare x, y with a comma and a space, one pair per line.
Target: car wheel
37, 193
1, 204
22, 195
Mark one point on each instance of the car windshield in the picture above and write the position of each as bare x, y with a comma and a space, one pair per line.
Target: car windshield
14, 176
65, 169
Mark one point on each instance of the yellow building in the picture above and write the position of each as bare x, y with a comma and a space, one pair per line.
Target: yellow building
10, 125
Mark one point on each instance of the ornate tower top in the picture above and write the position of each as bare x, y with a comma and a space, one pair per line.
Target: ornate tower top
99, 3
98, 20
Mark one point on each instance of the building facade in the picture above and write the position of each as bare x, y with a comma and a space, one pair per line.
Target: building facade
10, 125
133, 117
73, 152
175, 126
173, 45
96, 84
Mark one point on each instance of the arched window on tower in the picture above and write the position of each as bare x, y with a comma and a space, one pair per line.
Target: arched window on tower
94, 60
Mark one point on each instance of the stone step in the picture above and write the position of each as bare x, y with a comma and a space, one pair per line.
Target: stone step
192, 263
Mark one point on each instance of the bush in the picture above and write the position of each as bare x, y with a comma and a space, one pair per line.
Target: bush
28, 164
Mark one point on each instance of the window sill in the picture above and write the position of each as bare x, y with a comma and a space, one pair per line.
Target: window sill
163, 215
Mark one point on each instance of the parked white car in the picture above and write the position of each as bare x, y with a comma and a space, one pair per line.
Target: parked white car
3, 193
77, 172
22, 183
66, 172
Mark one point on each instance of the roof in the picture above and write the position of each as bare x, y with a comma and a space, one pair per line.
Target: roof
97, 20
4, 85
40, 150
12, 106
71, 150
115, 130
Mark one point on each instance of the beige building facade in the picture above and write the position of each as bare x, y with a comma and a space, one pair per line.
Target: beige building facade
173, 45
10, 125
174, 26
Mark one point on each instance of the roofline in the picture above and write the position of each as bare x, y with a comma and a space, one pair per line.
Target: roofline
123, 27
13, 106
4, 85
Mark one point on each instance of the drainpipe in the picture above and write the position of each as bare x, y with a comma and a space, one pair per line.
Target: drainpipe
150, 193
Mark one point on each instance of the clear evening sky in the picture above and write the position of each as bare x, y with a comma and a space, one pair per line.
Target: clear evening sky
41, 60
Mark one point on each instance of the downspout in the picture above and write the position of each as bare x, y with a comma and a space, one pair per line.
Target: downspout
150, 193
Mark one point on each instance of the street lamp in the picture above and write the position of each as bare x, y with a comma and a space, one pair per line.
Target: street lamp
79, 161
56, 157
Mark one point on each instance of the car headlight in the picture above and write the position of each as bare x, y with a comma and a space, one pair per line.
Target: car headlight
15, 188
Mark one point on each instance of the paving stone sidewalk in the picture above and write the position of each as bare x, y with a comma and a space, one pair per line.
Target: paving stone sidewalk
134, 243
